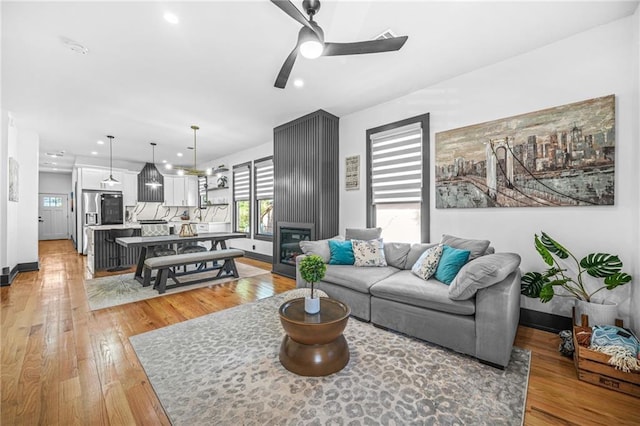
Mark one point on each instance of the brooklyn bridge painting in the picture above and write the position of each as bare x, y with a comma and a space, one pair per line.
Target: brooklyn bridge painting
561, 156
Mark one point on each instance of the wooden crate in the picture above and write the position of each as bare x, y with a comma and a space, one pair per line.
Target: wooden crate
593, 367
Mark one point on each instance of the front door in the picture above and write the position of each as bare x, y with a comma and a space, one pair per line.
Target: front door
53, 219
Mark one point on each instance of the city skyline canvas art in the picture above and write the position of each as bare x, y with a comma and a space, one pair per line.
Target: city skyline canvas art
560, 156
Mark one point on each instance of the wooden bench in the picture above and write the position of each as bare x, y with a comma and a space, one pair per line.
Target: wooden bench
165, 264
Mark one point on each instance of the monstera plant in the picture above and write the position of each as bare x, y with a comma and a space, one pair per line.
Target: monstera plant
559, 281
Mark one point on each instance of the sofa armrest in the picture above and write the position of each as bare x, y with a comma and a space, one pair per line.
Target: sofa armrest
300, 283
497, 316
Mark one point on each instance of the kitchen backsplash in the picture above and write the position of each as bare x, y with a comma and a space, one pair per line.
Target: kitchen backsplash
150, 211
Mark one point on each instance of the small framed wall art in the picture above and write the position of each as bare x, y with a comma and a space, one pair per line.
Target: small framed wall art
352, 173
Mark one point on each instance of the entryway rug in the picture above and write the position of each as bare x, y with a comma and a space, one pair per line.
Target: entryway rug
116, 290
223, 369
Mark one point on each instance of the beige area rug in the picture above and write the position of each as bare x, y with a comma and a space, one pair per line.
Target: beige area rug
223, 369
116, 290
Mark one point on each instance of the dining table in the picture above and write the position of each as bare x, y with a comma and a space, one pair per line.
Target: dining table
218, 241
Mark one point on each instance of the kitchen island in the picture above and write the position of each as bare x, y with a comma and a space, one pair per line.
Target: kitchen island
101, 254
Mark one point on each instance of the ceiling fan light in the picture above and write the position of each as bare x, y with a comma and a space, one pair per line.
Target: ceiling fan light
311, 49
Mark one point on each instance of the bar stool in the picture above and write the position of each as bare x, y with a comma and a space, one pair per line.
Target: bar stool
113, 234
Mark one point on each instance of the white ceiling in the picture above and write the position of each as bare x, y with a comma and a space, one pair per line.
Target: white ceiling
146, 80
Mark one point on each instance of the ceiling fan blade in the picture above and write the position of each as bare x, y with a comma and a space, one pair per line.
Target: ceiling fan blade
361, 47
283, 76
287, 7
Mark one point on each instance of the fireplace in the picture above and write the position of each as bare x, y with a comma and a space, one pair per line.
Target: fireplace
288, 237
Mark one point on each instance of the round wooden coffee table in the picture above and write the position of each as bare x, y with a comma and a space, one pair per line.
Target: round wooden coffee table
314, 344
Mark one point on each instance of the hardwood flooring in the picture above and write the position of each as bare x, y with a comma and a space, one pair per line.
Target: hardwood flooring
63, 364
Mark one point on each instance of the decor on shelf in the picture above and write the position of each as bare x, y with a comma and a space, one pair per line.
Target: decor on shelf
560, 156
110, 180
222, 181
597, 265
312, 270
152, 171
187, 230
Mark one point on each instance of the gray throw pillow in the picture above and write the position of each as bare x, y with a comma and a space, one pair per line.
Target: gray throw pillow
415, 252
320, 247
396, 254
365, 234
481, 273
476, 248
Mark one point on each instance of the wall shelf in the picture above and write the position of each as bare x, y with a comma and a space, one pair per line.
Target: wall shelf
217, 188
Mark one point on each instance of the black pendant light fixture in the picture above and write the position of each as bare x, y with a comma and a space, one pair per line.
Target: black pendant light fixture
152, 171
110, 180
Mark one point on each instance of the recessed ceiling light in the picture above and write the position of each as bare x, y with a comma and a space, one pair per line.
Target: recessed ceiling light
164, 161
94, 152
168, 166
298, 82
100, 142
179, 154
171, 18
181, 172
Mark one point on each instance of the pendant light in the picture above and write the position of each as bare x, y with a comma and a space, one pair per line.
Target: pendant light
193, 171
154, 183
110, 181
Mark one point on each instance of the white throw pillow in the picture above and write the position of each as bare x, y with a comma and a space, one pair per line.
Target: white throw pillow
427, 263
368, 253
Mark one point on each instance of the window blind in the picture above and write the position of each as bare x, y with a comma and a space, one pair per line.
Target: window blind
396, 165
241, 182
264, 179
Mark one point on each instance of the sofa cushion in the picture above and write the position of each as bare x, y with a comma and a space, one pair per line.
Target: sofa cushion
482, 272
415, 252
451, 261
396, 254
368, 253
358, 279
320, 247
365, 234
476, 248
427, 264
341, 252
404, 287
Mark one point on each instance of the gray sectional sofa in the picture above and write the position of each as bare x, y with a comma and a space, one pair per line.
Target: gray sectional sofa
482, 325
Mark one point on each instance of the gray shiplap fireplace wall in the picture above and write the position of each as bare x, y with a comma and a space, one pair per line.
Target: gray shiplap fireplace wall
306, 188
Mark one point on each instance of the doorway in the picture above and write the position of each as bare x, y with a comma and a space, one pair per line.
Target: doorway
53, 217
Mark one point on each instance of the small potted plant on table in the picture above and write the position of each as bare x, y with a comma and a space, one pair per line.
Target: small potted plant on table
547, 284
312, 270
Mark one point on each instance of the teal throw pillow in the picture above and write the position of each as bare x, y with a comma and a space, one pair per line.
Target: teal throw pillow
341, 253
450, 263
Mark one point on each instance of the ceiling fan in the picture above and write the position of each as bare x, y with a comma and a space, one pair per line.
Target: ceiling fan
311, 42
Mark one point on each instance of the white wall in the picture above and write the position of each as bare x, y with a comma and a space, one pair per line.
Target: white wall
27, 221
4, 175
255, 153
19, 219
54, 183
595, 63
635, 313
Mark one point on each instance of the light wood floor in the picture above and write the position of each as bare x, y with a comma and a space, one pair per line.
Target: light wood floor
63, 364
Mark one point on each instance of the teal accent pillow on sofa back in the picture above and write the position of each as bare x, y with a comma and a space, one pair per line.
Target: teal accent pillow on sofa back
450, 263
341, 253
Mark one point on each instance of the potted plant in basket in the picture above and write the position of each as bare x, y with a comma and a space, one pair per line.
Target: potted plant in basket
312, 270
559, 281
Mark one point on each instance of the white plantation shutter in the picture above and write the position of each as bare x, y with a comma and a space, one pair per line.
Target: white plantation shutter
264, 179
396, 165
241, 182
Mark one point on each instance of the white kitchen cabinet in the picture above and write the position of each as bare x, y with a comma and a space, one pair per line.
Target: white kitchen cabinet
130, 189
181, 191
92, 179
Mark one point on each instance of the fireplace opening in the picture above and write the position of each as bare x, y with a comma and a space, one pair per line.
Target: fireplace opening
289, 237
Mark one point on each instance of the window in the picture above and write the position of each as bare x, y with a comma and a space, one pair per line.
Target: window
263, 170
398, 179
51, 201
242, 198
